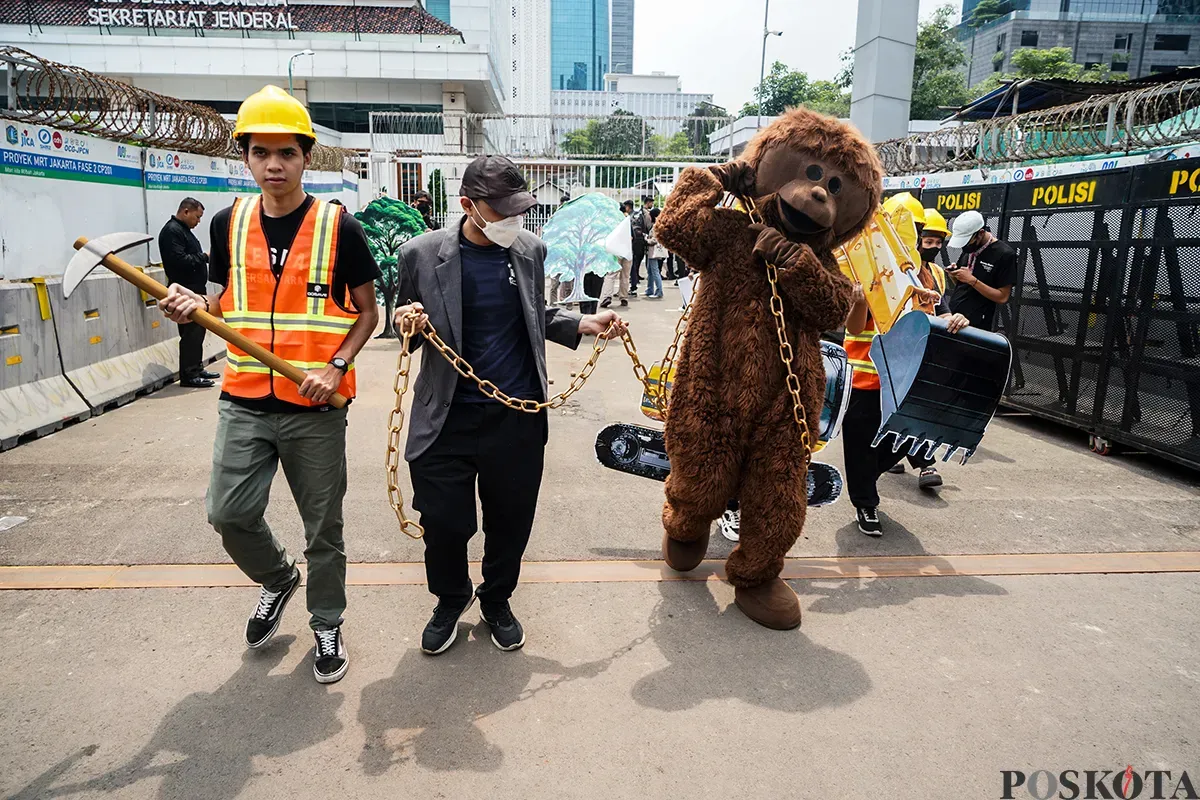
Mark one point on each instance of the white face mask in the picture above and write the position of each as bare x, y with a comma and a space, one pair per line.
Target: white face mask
502, 232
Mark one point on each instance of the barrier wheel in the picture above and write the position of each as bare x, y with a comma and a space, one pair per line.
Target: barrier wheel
1100, 446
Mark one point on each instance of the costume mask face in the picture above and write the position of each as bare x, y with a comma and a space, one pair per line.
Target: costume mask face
812, 197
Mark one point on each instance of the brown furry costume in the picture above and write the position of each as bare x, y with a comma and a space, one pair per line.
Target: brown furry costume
730, 432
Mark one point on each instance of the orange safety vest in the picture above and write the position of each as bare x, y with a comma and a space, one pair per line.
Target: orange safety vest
295, 315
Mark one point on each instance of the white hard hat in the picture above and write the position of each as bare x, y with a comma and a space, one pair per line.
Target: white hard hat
965, 226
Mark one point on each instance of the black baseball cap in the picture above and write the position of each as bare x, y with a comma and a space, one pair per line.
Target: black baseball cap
498, 181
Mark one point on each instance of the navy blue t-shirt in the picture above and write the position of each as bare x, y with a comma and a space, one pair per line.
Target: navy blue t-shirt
495, 339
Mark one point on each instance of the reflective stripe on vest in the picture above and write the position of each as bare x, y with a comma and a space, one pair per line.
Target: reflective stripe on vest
295, 315
858, 353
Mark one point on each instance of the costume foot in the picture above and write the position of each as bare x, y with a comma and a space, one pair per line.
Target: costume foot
684, 556
772, 604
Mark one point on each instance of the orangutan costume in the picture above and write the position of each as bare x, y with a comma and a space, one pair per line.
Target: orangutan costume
730, 432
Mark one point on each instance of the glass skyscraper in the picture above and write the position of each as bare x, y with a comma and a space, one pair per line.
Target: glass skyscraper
622, 36
579, 44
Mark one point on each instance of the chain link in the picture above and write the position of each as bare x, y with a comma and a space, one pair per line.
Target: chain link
785, 347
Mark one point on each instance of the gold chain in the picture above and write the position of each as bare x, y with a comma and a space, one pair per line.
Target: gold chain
400, 385
785, 347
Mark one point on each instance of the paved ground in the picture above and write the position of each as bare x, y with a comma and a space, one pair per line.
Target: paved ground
902, 687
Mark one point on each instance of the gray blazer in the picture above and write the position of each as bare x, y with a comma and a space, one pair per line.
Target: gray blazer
431, 274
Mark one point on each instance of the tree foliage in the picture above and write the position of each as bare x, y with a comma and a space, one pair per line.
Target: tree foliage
622, 133
1054, 62
937, 79
437, 190
783, 88
988, 11
575, 238
388, 224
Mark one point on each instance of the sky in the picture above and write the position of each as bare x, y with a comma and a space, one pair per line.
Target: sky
715, 46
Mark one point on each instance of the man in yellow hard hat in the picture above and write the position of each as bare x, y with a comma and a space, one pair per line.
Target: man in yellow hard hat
299, 279
932, 238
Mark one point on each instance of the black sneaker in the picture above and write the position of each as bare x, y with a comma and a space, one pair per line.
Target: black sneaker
442, 628
868, 522
265, 620
330, 660
507, 633
897, 470
930, 479
196, 383
212, 376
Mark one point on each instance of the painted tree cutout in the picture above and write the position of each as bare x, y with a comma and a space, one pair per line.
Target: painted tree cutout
574, 239
389, 224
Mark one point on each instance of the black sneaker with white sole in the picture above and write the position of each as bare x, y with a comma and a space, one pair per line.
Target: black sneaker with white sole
442, 628
264, 621
507, 633
868, 522
929, 479
330, 660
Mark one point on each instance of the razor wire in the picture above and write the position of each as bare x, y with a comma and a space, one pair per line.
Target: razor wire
1142, 119
44, 92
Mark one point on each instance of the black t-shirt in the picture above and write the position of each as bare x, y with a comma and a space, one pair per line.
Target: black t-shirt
495, 338
995, 266
353, 267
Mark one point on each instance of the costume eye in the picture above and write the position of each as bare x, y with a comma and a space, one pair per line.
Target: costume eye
815, 173
835, 185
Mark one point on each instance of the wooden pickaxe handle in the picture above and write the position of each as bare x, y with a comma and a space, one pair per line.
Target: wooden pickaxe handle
210, 323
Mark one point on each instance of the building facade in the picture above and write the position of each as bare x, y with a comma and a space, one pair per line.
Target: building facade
1133, 37
622, 37
580, 48
646, 96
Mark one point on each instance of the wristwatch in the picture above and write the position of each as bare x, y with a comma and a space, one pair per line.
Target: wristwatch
340, 363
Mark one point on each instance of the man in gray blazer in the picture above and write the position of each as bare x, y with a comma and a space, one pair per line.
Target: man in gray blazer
481, 284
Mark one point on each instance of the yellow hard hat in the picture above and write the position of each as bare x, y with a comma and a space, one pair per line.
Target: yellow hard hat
936, 223
905, 200
272, 110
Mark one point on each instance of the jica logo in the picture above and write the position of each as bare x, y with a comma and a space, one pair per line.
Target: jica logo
1072, 784
10, 134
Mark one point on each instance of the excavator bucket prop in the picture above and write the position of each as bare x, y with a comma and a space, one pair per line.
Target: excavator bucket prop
938, 388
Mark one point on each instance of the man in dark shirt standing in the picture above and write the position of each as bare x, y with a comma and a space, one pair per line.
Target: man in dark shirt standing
985, 273
186, 263
481, 284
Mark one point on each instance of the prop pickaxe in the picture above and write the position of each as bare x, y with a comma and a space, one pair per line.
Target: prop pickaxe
100, 251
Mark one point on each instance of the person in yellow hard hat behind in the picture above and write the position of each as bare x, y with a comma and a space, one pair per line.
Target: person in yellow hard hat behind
298, 278
933, 237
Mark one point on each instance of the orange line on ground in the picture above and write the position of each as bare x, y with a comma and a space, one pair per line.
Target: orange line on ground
174, 576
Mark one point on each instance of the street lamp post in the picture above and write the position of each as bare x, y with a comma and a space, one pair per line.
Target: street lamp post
762, 70
290, 60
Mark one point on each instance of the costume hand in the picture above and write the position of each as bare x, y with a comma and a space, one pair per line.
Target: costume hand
775, 248
417, 325
736, 177
320, 384
956, 322
598, 324
180, 303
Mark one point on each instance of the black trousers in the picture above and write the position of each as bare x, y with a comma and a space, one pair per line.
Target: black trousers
594, 286
191, 350
864, 464
502, 451
639, 253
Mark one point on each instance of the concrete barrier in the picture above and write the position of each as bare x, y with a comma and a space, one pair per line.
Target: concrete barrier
35, 397
108, 341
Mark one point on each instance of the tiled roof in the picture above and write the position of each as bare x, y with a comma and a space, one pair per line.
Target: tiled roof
306, 18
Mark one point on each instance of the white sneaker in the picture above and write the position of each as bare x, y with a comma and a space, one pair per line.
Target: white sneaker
730, 525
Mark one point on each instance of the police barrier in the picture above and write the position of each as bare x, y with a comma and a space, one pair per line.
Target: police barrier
35, 398
1105, 316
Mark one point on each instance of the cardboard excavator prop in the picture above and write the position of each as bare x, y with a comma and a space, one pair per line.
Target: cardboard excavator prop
936, 388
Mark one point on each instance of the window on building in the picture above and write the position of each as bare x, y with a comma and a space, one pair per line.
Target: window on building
1093, 60
1001, 41
1124, 42
612, 86
1029, 38
1120, 64
356, 117
1175, 42
1157, 68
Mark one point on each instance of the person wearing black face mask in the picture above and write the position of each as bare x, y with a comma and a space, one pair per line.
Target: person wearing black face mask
985, 272
423, 203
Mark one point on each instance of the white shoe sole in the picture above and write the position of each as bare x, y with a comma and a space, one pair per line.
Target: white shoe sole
336, 676
453, 631
278, 618
733, 537
870, 533
509, 649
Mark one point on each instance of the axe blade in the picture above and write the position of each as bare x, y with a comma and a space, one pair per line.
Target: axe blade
92, 253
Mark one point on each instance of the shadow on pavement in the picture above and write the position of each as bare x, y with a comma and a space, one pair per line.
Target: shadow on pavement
428, 709
717, 654
218, 734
